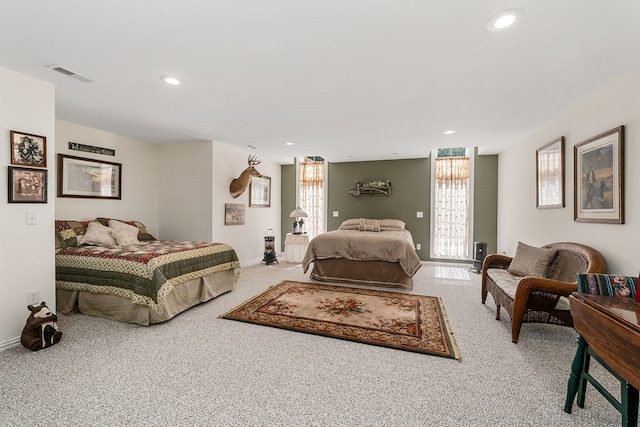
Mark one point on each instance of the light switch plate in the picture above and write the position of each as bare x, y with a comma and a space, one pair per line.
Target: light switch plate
419, 214
335, 214
32, 217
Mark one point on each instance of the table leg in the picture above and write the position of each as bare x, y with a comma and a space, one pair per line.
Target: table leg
576, 372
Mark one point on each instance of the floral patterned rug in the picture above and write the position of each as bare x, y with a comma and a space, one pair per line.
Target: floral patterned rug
409, 322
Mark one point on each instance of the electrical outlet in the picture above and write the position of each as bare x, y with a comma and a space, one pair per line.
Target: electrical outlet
418, 246
33, 297
419, 214
336, 214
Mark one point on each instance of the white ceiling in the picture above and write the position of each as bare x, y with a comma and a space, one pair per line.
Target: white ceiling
348, 80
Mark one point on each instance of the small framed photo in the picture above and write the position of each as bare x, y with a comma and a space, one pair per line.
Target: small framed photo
27, 185
233, 213
550, 175
88, 178
28, 149
260, 192
599, 178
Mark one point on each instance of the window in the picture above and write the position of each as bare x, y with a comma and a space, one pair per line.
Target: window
451, 203
311, 193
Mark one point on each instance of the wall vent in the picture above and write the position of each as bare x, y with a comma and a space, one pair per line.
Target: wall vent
70, 73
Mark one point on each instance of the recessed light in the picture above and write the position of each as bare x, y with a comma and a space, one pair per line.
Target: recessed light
504, 20
170, 80
449, 132
289, 143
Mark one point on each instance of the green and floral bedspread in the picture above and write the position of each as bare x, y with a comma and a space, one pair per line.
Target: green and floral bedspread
145, 273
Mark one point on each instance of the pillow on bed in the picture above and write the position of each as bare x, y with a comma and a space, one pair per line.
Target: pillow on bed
68, 232
143, 233
391, 224
98, 234
350, 224
368, 225
124, 234
531, 261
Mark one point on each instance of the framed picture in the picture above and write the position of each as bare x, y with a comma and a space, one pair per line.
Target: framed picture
550, 174
260, 192
599, 178
88, 178
28, 149
233, 213
27, 185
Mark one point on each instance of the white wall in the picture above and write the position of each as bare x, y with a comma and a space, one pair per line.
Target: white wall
185, 191
26, 105
140, 176
194, 187
518, 218
247, 239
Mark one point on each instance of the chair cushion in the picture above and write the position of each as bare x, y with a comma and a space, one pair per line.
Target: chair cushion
531, 261
509, 284
607, 284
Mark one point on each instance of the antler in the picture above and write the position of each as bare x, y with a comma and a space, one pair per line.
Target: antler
253, 160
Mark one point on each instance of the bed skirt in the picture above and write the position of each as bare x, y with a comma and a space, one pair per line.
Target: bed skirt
376, 273
181, 298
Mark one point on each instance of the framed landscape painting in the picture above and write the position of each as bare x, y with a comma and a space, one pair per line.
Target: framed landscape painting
599, 178
550, 175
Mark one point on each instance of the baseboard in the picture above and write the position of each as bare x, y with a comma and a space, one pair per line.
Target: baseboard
12, 343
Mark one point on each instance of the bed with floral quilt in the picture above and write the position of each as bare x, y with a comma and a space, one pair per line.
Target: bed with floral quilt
118, 270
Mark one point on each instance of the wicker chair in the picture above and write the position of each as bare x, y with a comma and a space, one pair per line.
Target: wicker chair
541, 299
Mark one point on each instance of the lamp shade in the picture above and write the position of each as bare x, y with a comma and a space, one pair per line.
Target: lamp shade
298, 213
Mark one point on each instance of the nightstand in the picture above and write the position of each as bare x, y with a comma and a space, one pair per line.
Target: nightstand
295, 247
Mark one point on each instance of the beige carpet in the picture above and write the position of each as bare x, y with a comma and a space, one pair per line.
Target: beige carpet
390, 319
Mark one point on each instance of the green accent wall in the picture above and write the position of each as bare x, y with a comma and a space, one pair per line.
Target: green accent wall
485, 201
411, 193
287, 200
411, 181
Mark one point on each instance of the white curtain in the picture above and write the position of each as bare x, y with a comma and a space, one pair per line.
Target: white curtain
312, 195
451, 207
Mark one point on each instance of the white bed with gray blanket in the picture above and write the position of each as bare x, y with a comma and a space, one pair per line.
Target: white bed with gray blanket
366, 252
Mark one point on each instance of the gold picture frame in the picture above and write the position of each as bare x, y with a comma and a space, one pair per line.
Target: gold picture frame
550, 175
599, 178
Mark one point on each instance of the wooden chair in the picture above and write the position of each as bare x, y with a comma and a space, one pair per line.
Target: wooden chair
607, 285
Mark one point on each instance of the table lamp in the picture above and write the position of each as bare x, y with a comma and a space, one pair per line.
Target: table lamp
298, 222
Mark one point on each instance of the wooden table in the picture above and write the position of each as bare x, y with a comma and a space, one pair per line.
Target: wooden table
611, 327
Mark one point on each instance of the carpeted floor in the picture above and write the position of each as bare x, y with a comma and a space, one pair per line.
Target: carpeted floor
200, 370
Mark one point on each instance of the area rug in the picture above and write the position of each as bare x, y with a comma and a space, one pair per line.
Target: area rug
408, 322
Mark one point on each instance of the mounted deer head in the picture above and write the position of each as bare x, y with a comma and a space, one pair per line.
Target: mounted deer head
241, 183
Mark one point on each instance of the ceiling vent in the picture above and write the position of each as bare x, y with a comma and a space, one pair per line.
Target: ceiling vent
70, 73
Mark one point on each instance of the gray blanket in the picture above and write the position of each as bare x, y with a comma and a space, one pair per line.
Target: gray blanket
390, 246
